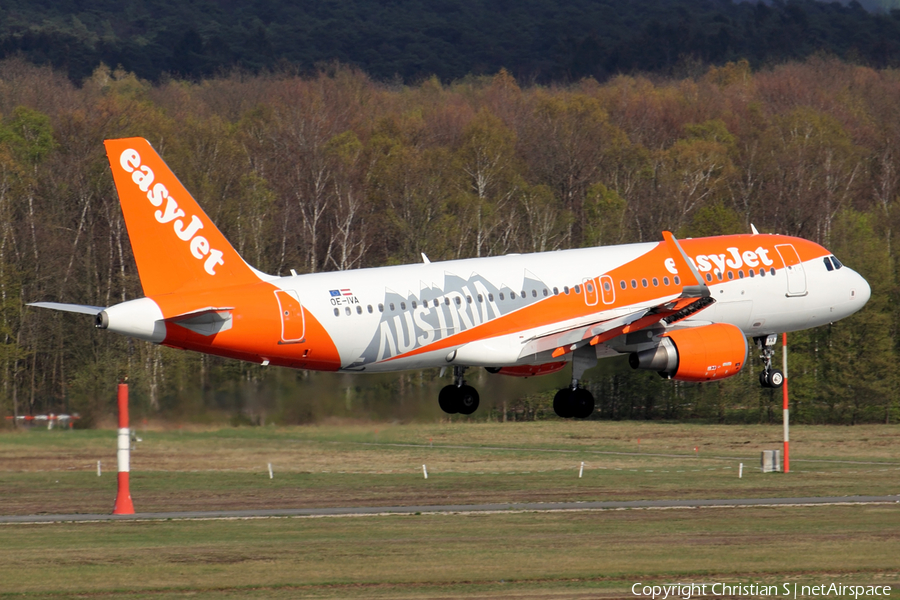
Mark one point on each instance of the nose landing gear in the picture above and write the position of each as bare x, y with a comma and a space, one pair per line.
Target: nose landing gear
768, 377
458, 397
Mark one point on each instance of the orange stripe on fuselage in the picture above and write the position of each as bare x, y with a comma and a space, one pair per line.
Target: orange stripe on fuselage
572, 306
256, 330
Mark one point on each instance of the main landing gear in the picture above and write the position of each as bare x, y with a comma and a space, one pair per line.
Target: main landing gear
768, 377
458, 397
574, 401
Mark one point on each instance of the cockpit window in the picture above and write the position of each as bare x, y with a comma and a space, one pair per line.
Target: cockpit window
828, 264
837, 263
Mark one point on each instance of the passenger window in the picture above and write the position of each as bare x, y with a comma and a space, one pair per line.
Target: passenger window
622, 284
392, 306
772, 271
512, 295
655, 282
414, 305
677, 280
566, 289
719, 275
369, 308
741, 274
402, 306
606, 286
347, 310
491, 297
730, 275
359, 310
381, 308
634, 284
546, 292
458, 301
468, 299
644, 282
709, 276
577, 289
534, 293
556, 291
501, 295
523, 294
752, 273
337, 312
762, 272
665, 280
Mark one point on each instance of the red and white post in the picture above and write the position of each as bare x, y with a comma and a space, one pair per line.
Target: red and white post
784, 391
124, 506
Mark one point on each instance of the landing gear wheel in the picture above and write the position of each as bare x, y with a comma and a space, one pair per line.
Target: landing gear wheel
763, 378
775, 378
467, 400
449, 399
583, 403
562, 403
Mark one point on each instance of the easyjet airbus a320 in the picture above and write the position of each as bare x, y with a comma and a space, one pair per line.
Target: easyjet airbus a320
683, 309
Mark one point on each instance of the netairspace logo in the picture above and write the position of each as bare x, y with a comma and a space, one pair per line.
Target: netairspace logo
686, 591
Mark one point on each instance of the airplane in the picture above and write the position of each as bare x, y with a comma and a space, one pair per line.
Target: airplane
683, 308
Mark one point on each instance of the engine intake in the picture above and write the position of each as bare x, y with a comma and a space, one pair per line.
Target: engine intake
705, 353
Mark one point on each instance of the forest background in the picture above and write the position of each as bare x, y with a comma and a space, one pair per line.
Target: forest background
326, 168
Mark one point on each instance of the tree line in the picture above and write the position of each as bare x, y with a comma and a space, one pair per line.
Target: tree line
542, 41
338, 171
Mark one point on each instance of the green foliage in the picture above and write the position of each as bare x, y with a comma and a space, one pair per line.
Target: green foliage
336, 171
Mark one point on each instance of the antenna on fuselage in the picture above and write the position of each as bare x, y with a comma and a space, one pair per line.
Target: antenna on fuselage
425, 259
753, 229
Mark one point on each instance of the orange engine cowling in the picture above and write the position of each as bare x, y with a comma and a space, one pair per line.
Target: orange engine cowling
705, 353
529, 370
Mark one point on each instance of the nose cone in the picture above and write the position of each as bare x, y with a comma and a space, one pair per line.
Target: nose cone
860, 292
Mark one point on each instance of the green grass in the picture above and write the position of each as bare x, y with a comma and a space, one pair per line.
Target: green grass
351, 465
483, 555
585, 554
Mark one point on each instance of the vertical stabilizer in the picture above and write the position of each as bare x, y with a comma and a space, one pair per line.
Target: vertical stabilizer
176, 246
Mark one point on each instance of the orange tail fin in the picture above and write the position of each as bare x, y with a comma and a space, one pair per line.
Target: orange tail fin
176, 246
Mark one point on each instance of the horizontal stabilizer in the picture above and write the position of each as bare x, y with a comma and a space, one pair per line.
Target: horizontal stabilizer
206, 321
74, 308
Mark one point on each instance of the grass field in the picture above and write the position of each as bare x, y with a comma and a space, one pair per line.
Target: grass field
530, 555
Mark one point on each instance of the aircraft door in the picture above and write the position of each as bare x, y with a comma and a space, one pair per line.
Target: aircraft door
590, 291
607, 289
793, 269
293, 321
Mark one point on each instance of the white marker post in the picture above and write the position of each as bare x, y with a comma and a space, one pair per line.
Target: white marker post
425, 471
784, 388
271, 475
741, 471
124, 505
581, 470
98, 468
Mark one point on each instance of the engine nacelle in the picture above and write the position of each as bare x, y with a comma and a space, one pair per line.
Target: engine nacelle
528, 370
704, 353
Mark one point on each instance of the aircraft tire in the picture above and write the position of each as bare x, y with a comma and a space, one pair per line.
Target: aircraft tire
563, 403
449, 399
775, 378
764, 379
467, 400
583, 403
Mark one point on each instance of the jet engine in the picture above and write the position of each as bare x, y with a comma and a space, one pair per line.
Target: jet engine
705, 353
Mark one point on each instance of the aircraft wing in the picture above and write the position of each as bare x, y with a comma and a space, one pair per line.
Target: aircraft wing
695, 296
